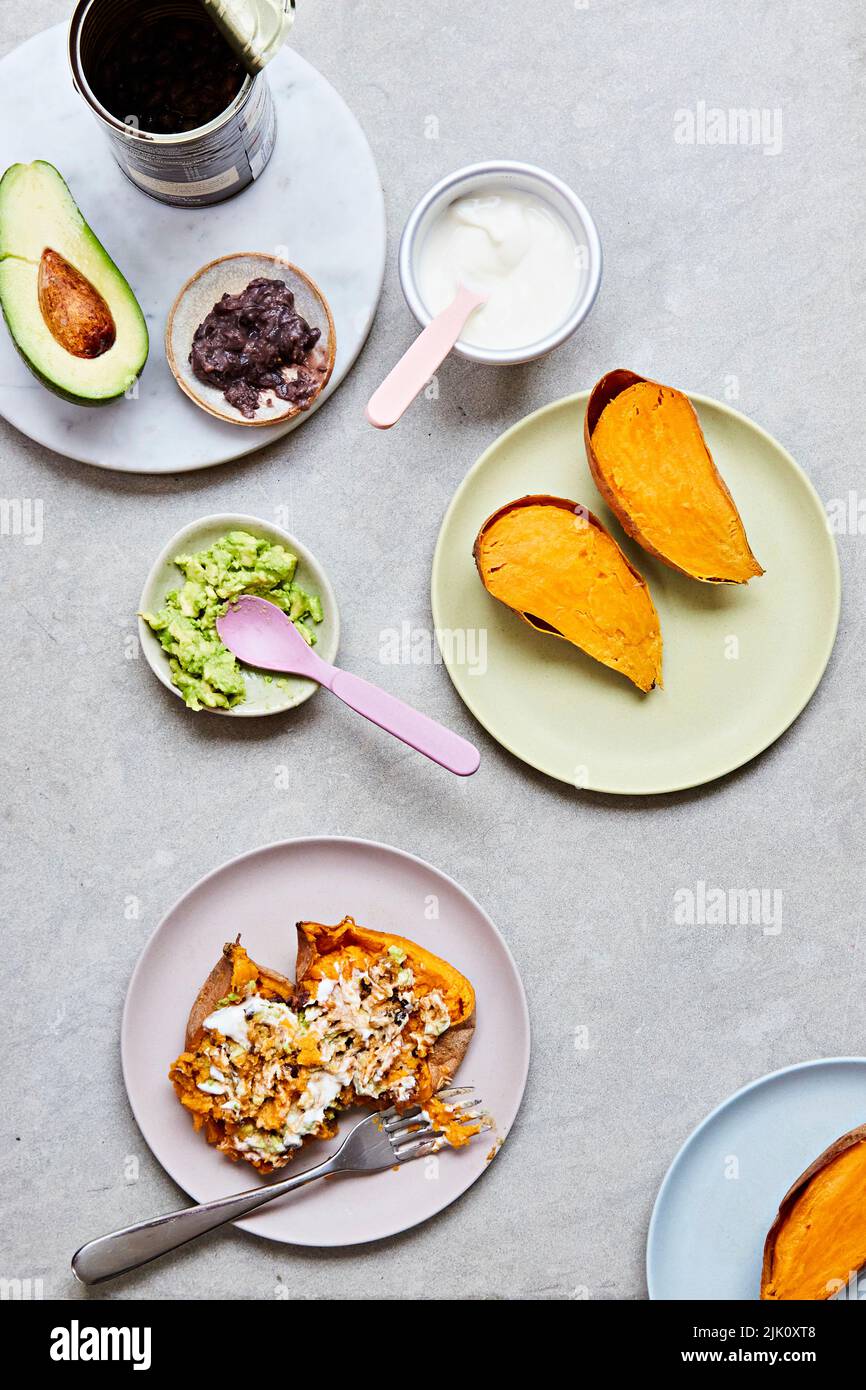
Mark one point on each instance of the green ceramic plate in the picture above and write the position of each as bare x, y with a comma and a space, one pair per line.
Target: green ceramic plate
740, 662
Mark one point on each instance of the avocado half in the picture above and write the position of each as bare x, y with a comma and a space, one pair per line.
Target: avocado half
72, 315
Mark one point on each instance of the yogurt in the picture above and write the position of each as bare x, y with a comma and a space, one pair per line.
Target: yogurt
513, 247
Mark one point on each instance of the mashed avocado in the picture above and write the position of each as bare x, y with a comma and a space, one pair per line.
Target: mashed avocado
204, 671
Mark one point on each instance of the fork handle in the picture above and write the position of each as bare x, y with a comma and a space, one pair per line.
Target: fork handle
121, 1251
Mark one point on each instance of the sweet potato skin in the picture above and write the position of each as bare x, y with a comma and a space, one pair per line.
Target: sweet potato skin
654, 677
606, 390
794, 1193
448, 1051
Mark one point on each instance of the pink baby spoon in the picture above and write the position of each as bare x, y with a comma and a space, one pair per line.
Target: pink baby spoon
420, 361
260, 634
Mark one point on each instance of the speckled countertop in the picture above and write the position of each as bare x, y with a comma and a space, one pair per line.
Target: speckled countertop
734, 271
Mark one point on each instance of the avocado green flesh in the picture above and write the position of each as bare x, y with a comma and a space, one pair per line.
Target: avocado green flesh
37, 211
204, 671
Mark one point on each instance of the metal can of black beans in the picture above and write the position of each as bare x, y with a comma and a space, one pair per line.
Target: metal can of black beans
177, 87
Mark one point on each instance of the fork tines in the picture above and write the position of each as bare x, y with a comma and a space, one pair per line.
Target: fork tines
410, 1131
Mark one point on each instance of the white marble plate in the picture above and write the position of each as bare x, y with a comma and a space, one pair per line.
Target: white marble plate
318, 204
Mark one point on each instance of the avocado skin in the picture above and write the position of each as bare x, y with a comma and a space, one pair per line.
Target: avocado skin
123, 289
52, 386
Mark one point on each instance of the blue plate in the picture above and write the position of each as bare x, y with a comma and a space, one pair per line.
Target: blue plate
723, 1189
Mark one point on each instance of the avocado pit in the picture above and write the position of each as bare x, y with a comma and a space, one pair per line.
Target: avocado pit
75, 313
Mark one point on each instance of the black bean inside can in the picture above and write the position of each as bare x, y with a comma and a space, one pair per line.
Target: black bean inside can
187, 123
168, 73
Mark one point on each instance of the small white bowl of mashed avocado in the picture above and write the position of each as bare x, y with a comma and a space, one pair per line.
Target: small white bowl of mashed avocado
204, 567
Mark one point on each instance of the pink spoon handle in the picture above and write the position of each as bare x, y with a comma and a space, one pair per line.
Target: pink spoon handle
420, 361
444, 747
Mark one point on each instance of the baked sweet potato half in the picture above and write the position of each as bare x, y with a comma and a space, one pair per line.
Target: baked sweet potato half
561, 571
325, 952
651, 464
371, 1019
818, 1239
218, 1075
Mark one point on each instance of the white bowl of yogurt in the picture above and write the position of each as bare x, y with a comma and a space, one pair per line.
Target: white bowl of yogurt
520, 236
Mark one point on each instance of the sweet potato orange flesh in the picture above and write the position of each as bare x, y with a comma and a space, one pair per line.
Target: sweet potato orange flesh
555, 565
651, 464
819, 1237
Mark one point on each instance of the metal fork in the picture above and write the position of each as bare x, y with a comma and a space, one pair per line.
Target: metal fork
375, 1143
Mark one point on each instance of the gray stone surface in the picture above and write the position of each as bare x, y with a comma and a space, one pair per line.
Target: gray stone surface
722, 262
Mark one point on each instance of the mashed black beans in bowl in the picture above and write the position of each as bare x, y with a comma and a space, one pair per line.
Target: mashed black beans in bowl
250, 339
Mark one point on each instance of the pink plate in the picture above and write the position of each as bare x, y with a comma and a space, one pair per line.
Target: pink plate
261, 895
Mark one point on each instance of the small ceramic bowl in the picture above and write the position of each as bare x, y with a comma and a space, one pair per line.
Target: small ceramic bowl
484, 178
230, 275
263, 696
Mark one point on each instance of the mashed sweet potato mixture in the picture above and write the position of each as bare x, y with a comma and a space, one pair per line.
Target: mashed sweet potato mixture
372, 1019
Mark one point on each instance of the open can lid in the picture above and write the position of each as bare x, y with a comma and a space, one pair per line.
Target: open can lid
256, 29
